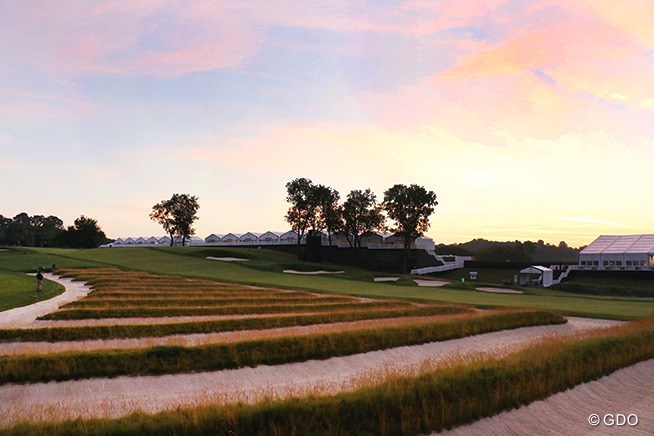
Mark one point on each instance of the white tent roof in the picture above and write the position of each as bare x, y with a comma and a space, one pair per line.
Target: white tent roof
535, 269
621, 244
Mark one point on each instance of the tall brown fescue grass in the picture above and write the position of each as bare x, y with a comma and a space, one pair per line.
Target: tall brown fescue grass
176, 359
430, 401
213, 310
77, 333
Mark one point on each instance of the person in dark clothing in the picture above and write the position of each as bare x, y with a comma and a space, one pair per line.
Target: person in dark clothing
39, 281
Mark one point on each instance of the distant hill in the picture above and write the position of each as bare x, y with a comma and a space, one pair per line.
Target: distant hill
514, 251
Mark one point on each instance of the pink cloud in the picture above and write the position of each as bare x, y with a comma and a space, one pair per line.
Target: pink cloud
143, 37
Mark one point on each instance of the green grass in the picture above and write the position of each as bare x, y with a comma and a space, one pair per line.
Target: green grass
18, 289
433, 401
265, 269
271, 351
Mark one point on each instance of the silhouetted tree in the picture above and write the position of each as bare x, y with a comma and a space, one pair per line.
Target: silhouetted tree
84, 234
177, 215
410, 207
361, 214
301, 214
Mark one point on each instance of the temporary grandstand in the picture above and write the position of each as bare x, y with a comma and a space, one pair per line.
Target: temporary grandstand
627, 252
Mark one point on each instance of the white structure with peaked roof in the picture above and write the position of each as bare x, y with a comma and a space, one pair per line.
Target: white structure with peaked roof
544, 276
627, 252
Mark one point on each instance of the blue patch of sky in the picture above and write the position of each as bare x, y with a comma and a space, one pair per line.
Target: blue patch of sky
362, 60
649, 54
542, 75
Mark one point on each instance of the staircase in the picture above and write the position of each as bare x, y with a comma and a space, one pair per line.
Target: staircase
564, 274
447, 264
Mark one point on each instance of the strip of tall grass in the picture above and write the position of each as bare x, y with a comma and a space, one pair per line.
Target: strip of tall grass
148, 312
112, 295
434, 401
198, 302
272, 351
54, 334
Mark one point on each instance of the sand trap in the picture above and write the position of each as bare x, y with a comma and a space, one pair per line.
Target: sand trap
23, 316
627, 391
499, 290
123, 395
195, 339
4, 249
228, 259
292, 271
430, 282
386, 279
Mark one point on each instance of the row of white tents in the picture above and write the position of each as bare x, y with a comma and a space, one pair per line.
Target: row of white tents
369, 240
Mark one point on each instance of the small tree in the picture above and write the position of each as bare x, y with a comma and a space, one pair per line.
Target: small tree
410, 208
361, 214
177, 215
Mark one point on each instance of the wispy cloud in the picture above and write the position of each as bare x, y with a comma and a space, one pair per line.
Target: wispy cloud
588, 220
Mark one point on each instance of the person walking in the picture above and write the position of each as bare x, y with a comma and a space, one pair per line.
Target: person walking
39, 281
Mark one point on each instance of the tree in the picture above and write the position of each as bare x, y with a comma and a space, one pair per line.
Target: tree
84, 234
361, 214
410, 207
301, 213
176, 215
327, 213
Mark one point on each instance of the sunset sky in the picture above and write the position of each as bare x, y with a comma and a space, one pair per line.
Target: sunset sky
529, 119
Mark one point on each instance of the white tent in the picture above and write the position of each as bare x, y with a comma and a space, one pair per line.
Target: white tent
213, 238
545, 276
626, 252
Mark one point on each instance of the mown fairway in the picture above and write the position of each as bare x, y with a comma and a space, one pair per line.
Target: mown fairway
265, 268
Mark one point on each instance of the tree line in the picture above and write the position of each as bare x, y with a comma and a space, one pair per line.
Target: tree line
315, 208
49, 231
513, 251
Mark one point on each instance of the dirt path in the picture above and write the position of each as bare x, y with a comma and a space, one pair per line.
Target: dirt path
124, 395
627, 391
24, 316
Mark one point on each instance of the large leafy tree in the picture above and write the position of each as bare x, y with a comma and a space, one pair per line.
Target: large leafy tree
327, 213
302, 210
177, 215
86, 233
410, 208
361, 214
28, 230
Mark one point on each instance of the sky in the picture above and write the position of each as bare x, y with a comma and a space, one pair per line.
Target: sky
529, 119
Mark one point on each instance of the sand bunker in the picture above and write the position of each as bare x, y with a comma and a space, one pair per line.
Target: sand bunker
292, 271
627, 391
386, 279
123, 395
430, 282
228, 259
23, 316
499, 290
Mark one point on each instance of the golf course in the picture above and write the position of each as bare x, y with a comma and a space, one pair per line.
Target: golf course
205, 340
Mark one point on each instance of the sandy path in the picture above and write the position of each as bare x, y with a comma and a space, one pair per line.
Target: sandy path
627, 391
194, 339
124, 395
24, 316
